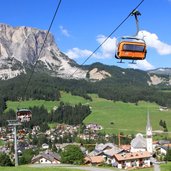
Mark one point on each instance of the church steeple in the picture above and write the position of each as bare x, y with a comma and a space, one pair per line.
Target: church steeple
149, 134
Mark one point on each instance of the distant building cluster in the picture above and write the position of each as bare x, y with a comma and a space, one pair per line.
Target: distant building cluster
138, 154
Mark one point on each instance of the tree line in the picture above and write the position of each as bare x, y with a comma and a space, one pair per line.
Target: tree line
127, 85
65, 113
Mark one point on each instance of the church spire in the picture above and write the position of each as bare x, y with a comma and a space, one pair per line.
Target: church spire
148, 126
149, 134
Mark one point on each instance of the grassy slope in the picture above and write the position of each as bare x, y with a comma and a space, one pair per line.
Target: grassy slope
26, 168
166, 167
1, 142
65, 97
127, 117
30, 103
163, 167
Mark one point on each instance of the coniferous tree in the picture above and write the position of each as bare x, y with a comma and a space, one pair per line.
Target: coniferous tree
5, 160
72, 154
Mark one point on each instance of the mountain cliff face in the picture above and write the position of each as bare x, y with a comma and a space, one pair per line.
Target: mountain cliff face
160, 76
20, 47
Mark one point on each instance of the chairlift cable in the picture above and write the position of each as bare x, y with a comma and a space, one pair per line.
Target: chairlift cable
38, 56
132, 12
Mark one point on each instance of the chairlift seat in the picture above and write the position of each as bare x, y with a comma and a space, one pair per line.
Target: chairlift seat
131, 48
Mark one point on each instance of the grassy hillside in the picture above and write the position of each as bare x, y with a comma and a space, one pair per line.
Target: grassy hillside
166, 167
30, 103
1, 142
65, 97
113, 116
127, 117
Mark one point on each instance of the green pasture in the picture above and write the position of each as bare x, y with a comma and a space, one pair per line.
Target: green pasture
1, 142
126, 117
52, 125
113, 116
31, 103
166, 91
163, 167
65, 97
166, 167
26, 168
68, 98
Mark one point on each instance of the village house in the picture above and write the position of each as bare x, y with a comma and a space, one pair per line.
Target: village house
163, 108
134, 159
109, 153
105, 151
63, 145
45, 146
46, 157
94, 127
94, 160
163, 149
126, 147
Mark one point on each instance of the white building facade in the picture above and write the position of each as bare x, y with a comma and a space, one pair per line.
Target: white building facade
149, 135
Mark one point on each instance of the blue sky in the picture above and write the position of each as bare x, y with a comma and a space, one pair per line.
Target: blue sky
81, 25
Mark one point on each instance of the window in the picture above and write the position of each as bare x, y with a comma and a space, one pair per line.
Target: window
133, 47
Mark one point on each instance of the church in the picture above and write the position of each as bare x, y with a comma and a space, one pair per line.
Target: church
140, 143
140, 152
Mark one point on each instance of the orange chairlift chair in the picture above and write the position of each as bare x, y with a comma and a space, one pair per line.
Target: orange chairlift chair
131, 47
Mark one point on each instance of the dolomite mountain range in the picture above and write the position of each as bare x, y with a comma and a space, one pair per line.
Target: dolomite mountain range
20, 47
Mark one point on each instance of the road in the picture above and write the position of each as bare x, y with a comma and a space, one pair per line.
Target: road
156, 167
84, 168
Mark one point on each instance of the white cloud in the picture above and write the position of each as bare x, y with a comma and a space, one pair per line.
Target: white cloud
153, 41
64, 31
107, 50
142, 64
77, 53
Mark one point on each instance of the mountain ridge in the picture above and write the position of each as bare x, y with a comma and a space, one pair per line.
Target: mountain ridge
23, 45
20, 48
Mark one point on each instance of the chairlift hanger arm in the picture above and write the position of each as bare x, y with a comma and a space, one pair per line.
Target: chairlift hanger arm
136, 13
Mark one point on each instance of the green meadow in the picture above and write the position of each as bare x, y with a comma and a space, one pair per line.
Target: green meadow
163, 167
126, 117
49, 105
26, 168
31, 103
113, 116
1, 142
166, 167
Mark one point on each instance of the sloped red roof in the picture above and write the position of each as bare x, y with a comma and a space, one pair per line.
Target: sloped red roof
134, 155
94, 159
125, 147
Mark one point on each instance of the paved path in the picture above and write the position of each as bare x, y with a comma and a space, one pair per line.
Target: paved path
156, 167
84, 168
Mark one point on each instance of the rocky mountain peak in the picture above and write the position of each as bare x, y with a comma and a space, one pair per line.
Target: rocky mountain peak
20, 45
